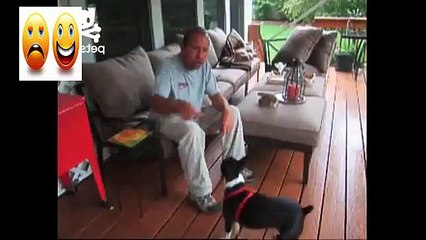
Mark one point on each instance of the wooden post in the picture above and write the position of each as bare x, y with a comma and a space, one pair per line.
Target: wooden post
255, 37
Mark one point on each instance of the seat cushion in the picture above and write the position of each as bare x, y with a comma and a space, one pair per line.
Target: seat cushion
316, 89
236, 77
226, 89
310, 69
289, 123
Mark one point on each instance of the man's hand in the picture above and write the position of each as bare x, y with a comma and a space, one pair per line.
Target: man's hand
226, 121
187, 111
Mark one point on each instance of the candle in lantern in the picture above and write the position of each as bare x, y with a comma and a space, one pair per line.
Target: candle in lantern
292, 92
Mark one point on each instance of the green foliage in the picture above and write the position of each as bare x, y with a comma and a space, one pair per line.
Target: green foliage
292, 9
343, 8
269, 10
295, 8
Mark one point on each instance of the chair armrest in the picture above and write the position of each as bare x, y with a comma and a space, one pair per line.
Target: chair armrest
152, 124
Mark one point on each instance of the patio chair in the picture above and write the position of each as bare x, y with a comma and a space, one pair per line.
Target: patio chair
101, 136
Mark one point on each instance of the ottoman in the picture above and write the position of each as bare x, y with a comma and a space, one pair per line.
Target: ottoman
291, 126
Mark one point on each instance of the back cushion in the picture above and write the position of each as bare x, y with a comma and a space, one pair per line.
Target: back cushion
218, 38
173, 48
122, 85
156, 57
323, 51
235, 39
299, 45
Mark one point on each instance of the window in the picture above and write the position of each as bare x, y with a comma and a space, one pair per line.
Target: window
178, 16
210, 14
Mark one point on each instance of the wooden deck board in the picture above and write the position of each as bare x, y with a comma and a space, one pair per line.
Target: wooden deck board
291, 186
333, 217
161, 210
336, 187
259, 161
271, 186
134, 227
356, 213
362, 98
76, 211
107, 220
314, 190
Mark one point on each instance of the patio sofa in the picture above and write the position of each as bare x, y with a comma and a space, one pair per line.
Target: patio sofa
295, 126
118, 89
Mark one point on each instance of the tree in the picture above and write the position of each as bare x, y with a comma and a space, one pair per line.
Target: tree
269, 10
336, 8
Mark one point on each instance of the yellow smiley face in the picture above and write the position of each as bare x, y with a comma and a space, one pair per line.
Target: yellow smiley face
35, 41
65, 41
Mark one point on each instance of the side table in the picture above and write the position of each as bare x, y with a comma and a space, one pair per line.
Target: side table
75, 142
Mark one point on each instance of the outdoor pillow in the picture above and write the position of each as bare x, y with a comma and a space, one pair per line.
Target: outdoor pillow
322, 53
122, 85
299, 45
218, 38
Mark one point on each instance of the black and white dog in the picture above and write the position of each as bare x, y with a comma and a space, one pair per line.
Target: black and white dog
242, 206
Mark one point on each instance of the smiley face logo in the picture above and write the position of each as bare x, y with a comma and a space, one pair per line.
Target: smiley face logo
35, 41
65, 41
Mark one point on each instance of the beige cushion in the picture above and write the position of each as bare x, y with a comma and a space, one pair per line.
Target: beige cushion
323, 51
122, 85
173, 48
157, 57
291, 123
236, 77
299, 45
226, 89
218, 38
212, 57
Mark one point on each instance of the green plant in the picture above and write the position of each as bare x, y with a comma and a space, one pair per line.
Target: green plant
269, 10
292, 9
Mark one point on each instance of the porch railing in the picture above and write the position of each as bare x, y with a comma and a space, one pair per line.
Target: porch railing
351, 38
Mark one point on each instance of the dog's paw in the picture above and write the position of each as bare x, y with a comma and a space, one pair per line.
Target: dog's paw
236, 228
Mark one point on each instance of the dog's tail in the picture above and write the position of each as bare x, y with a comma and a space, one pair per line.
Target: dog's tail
307, 209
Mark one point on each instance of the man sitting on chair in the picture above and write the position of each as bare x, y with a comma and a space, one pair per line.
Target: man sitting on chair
180, 86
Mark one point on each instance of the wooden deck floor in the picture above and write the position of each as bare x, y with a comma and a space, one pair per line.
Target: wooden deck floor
337, 185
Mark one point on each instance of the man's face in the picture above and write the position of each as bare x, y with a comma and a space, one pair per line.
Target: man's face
195, 52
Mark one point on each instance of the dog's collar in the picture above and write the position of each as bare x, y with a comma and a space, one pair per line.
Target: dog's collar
250, 192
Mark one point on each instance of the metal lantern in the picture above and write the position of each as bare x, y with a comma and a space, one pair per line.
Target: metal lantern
294, 83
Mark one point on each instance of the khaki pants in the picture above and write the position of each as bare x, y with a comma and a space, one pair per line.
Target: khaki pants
191, 145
